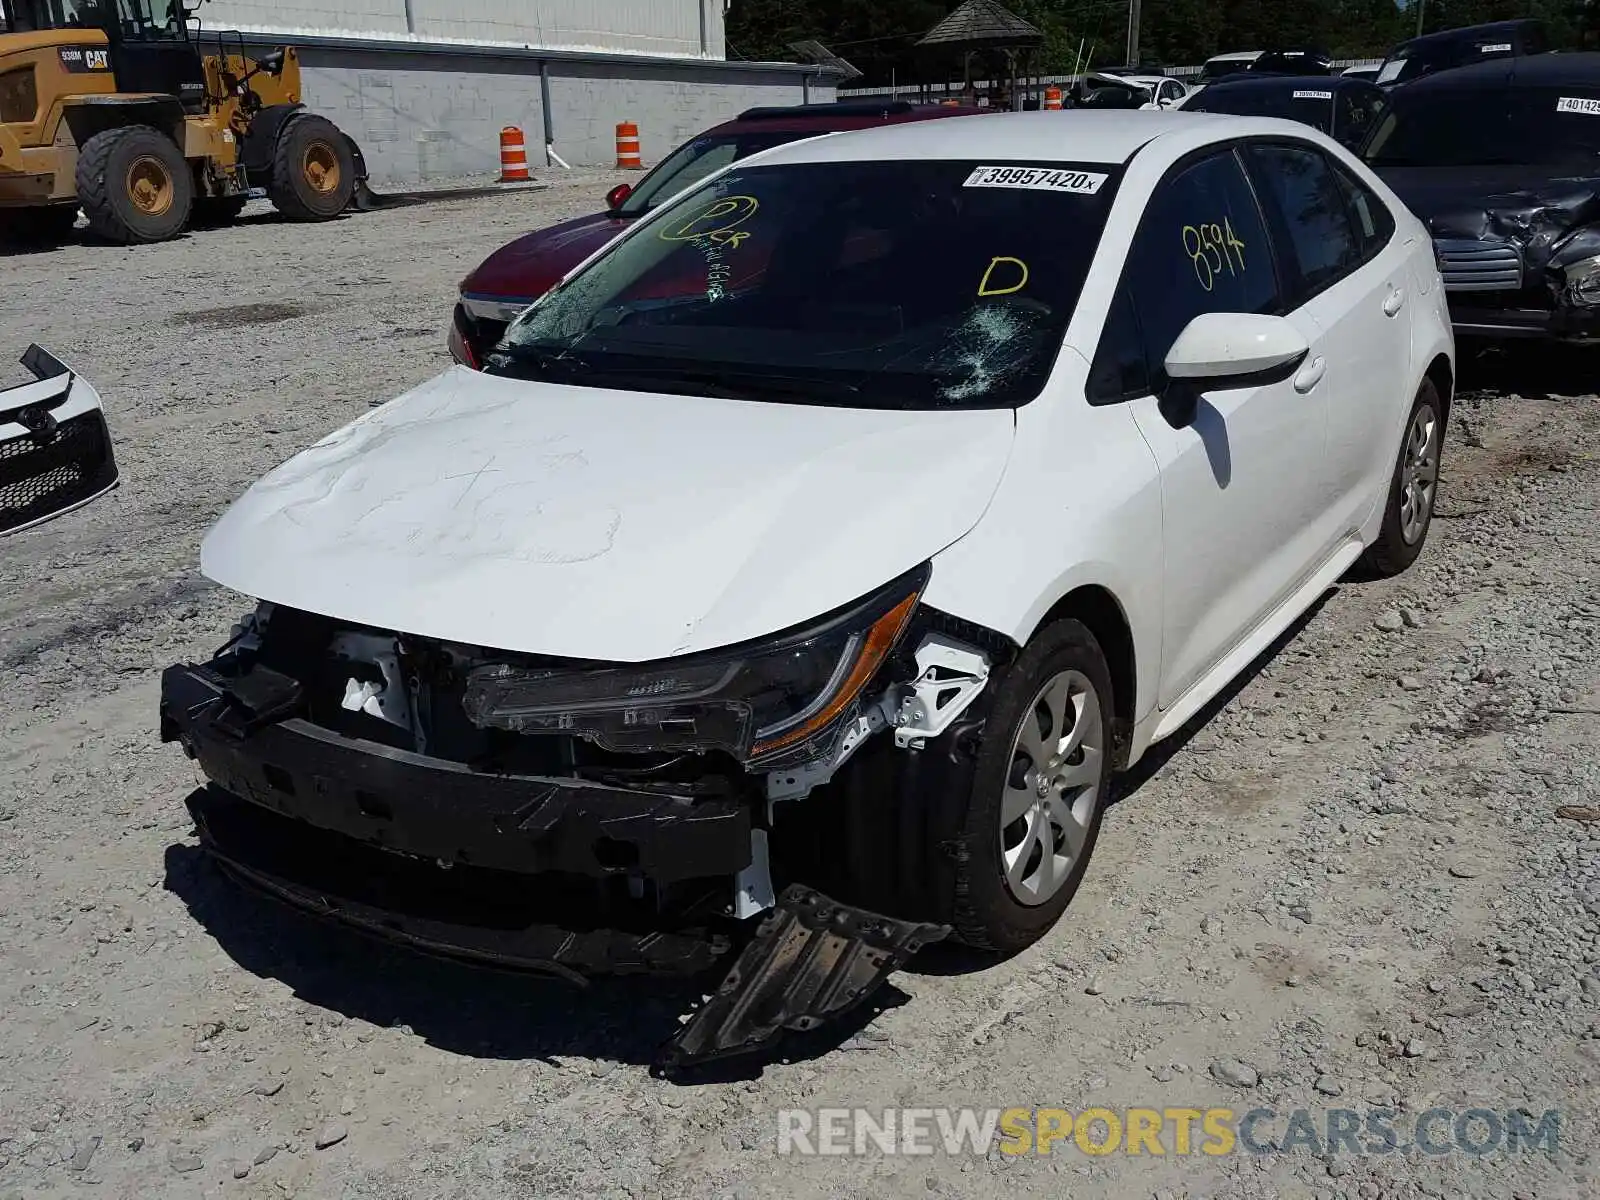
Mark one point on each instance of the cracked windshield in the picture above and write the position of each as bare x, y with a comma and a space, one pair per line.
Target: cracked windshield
911, 284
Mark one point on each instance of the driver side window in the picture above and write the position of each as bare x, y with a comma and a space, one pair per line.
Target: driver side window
1201, 247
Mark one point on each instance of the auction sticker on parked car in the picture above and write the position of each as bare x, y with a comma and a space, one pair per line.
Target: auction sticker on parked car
1578, 104
1313, 95
1043, 179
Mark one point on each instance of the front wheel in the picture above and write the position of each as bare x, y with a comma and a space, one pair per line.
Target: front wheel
1039, 789
1413, 489
987, 829
313, 171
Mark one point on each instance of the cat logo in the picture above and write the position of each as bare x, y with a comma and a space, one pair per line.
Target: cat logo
78, 60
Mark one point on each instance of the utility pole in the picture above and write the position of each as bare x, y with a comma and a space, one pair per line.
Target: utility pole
1421, 5
1133, 33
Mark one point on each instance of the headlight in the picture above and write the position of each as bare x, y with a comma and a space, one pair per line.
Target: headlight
460, 347
782, 698
1582, 279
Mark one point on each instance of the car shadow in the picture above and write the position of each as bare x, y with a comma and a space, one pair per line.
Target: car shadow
465, 1008
1531, 369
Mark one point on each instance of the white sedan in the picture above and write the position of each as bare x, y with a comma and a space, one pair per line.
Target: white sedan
849, 521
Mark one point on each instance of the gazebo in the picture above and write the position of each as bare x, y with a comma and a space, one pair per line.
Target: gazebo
986, 27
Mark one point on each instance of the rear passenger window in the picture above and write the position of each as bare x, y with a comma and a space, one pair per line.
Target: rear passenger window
1373, 222
1201, 247
1301, 186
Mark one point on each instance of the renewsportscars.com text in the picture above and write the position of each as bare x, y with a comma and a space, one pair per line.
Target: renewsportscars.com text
1163, 1131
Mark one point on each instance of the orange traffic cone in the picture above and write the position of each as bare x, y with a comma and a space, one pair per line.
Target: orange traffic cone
513, 156
628, 158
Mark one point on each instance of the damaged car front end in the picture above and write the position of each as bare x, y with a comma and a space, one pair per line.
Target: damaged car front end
577, 819
1502, 162
618, 655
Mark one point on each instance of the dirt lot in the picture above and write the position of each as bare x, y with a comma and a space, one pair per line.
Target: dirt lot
1370, 877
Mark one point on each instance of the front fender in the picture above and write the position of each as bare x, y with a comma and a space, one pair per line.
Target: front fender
259, 144
1079, 505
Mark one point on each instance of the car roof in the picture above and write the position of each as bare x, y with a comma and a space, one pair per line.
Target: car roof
1108, 137
1466, 33
1558, 69
1262, 83
845, 115
1237, 56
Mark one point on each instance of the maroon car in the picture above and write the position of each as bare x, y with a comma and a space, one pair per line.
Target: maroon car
517, 274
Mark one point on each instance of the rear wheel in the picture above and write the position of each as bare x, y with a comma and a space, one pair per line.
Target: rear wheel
313, 171
134, 185
1413, 489
211, 212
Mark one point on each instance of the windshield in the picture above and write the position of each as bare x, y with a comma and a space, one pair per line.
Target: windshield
910, 284
1309, 105
1498, 127
1222, 68
697, 160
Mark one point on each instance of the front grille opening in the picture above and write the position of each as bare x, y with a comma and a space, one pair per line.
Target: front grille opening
38, 478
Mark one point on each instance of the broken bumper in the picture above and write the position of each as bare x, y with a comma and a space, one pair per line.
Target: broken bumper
481, 916
500, 868
1577, 325
55, 449
247, 740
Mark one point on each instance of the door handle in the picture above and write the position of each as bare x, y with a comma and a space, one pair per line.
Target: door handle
1394, 302
1311, 375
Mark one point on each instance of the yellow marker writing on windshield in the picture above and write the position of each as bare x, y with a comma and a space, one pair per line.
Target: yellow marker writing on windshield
988, 288
717, 217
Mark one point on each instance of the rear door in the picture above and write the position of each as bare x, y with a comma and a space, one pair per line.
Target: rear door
1344, 273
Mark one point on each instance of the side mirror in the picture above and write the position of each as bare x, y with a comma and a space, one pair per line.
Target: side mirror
1222, 351
617, 195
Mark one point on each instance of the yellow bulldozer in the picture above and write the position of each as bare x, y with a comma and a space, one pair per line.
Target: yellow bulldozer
127, 110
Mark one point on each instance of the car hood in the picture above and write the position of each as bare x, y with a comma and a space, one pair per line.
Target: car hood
533, 264
596, 524
1519, 205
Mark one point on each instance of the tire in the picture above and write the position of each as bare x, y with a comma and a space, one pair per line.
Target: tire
1413, 489
214, 212
991, 912
134, 185
38, 226
313, 171
918, 835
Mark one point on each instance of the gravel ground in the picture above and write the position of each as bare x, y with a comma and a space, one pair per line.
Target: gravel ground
1368, 877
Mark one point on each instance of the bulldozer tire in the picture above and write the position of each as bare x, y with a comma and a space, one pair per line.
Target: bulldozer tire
37, 226
134, 185
313, 171
213, 212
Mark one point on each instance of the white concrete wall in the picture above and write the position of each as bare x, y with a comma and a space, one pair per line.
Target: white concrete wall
657, 27
421, 117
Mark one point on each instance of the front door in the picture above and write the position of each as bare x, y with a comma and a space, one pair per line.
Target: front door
1243, 483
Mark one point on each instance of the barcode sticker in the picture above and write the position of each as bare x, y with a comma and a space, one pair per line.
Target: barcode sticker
1496, 48
1043, 179
1578, 104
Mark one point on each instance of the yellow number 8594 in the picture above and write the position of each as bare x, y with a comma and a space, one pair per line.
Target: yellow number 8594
1213, 249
